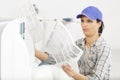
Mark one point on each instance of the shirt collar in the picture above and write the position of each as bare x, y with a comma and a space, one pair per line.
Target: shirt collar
96, 43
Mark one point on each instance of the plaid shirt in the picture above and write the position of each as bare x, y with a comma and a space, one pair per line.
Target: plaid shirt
97, 64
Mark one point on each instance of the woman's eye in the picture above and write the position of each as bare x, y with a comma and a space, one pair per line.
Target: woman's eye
90, 21
82, 20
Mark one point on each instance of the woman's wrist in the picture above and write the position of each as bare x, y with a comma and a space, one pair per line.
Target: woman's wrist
41, 55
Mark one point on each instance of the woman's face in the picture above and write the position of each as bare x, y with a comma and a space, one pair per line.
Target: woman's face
89, 27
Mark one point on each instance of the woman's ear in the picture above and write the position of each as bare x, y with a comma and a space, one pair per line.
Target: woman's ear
99, 24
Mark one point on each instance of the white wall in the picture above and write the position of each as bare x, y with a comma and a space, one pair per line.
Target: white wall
115, 74
10, 9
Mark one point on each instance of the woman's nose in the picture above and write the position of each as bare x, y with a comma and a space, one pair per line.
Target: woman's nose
83, 24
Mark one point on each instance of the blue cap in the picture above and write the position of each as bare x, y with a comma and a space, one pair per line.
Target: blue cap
92, 13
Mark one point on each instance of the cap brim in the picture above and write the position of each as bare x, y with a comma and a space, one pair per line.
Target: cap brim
79, 16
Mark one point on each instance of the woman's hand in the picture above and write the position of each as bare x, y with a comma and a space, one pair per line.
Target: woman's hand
72, 73
67, 68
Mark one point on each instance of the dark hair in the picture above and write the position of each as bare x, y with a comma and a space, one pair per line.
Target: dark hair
101, 27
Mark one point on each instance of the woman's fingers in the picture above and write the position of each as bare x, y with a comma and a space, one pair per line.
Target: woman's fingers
68, 69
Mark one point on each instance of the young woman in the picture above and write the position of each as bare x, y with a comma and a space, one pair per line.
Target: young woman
95, 63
